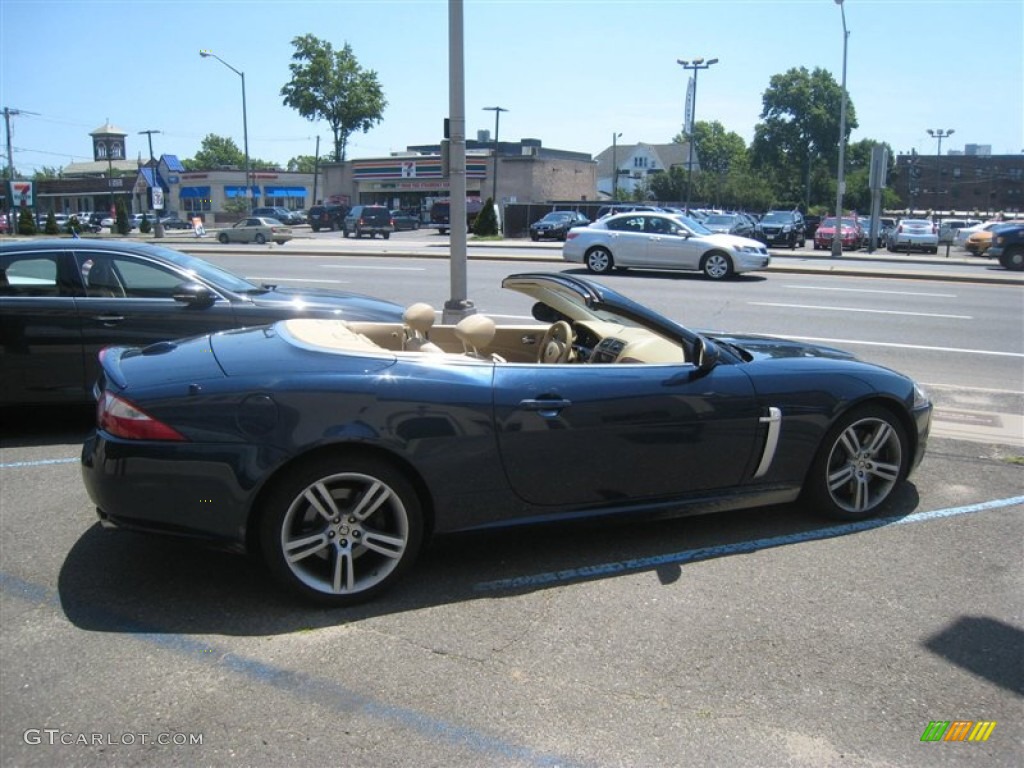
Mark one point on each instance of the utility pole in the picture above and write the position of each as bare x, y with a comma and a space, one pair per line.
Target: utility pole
158, 227
8, 112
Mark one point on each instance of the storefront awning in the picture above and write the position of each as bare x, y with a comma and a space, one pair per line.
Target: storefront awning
239, 191
200, 192
284, 191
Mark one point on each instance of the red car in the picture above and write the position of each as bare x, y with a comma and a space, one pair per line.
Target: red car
850, 235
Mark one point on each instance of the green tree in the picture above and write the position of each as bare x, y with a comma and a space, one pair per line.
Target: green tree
718, 153
800, 129
26, 222
216, 152
121, 224
486, 222
330, 85
302, 163
145, 227
46, 172
50, 226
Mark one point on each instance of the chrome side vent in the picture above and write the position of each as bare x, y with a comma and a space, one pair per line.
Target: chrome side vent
771, 442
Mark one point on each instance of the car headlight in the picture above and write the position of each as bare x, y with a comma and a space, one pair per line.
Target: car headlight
921, 398
786, 228
748, 249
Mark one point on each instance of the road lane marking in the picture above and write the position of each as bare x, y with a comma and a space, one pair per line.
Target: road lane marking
380, 269
297, 280
739, 548
857, 309
39, 463
896, 345
869, 290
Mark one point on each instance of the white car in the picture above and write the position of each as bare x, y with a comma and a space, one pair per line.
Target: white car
652, 240
911, 234
966, 232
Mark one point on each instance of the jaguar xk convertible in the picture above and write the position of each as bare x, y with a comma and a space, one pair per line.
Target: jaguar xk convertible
334, 449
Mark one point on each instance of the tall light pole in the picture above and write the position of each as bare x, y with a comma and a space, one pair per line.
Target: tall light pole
615, 166
158, 227
245, 124
494, 176
939, 134
837, 237
696, 65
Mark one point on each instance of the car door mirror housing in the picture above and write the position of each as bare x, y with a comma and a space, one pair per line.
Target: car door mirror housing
194, 294
706, 356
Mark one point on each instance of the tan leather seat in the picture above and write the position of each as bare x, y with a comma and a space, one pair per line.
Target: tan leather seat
476, 332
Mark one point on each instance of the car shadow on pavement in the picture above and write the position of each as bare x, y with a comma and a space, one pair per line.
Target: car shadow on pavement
118, 581
667, 274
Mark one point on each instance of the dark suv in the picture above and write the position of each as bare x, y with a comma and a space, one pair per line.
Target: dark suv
781, 228
368, 220
328, 216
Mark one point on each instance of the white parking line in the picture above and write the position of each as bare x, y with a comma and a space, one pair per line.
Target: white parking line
852, 309
294, 280
379, 269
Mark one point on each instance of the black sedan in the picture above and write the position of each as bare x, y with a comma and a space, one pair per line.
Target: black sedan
383, 433
63, 300
404, 220
556, 225
729, 224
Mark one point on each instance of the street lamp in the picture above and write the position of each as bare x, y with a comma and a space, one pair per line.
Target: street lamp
837, 237
695, 65
939, 134
615, 166
494, 176
158, 227
245, 124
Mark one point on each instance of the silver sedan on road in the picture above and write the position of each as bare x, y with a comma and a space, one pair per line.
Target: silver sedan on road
651, 240
919, 234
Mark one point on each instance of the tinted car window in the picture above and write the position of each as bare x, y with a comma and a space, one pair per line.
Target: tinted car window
627, 224
31, 275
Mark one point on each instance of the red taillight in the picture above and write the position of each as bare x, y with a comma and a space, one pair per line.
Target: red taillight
122, 419
570, 235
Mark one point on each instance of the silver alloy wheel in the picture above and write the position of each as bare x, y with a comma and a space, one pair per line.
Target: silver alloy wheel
344, 534
864, 465
717, 266
599, 261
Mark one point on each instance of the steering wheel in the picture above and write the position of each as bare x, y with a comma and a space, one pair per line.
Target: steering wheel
556, 346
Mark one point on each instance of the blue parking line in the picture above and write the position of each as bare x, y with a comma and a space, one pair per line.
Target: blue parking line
738, 548
39, 463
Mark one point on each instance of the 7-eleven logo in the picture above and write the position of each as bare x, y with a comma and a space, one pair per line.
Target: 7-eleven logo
958, 730
21, 194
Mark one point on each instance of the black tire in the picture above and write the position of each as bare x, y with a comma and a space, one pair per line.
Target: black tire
339, 530
223, 238
260, 238
1012, 258
358, 233
534, 236
863, 458
599, 261
386, 235
344, 231
716, 266
315, 228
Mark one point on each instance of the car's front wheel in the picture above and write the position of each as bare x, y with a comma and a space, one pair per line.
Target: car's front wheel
223, 237
859, 463
599, 261
340, 530
716, 266
1012, 258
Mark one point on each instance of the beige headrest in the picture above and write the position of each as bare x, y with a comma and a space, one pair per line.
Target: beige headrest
420, 317
475, 331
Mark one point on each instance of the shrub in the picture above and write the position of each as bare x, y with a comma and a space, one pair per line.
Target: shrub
144, 226
121, 224
486, 224
26, 222
50, 227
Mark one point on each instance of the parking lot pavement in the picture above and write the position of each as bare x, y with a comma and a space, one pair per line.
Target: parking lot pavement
761, 637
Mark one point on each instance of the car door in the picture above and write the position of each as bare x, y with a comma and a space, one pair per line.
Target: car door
40, 334
129, 301
627, 240
669, 245
596, 434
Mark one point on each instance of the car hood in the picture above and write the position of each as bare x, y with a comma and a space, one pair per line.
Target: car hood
772, 347
341, 304
733, 241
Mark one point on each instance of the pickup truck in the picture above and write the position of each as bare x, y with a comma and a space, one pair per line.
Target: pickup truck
1008, 246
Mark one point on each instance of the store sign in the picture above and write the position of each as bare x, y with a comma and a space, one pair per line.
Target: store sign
21, 194
158, 198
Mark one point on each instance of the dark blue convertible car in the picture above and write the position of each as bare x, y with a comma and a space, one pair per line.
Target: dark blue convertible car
335, 448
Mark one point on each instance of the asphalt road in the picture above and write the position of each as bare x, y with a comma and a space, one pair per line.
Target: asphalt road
764, 637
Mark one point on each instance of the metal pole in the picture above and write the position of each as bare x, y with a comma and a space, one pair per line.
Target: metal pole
939, 134
245, 124
615, 167
837, 237
158, 227
458, 306
695, 65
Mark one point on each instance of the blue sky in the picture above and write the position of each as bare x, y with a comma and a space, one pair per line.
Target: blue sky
570, 72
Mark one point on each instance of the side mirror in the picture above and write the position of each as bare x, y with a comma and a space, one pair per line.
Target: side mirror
707, 355
194, 295
545, 314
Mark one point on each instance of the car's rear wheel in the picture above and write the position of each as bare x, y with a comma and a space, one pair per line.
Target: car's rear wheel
359, 233
260, 238
716, 265
340, 530
386, 235
599, 261
222, 237
862, 459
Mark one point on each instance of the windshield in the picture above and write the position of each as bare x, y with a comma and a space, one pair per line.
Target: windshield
557, 216
777, 218
693, 225
712, 220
